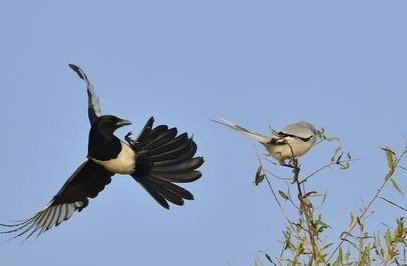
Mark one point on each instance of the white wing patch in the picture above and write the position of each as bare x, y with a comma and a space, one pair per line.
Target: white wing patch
93, 101
93, 98
48, 217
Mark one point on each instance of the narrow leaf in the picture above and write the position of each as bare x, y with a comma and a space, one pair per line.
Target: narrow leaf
396, 186
268, 258
387, 237
330, 139
259, 175
339, 259
337, 150
390, 157
283, 195
310, 194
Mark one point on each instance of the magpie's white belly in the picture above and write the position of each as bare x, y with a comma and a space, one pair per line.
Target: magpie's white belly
123, 164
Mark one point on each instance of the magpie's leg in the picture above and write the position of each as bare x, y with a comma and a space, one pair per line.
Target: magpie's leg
128, 138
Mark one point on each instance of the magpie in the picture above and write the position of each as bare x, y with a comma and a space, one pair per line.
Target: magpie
157, 158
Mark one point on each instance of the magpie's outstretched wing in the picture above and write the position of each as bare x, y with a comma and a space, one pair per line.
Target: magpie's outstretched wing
93, 101
86, 182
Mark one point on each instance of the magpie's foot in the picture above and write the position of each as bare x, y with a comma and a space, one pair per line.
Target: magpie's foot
128, 138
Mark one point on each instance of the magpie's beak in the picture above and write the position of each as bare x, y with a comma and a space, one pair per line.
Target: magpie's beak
123, 122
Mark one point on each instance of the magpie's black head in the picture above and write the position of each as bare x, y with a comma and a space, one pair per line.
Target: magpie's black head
109, 123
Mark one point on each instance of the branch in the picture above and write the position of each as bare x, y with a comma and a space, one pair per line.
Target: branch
326, 166
304, 207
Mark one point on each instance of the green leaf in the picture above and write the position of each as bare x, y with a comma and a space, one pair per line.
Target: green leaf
387, 237
337, 150
339, 259
360, 223
259, 175
321, 226
283, 195
322, 223
330, 139
390, 157
328, 245
351, 219
268, 258
396, 186
348, 254
275, 132
310, 194
320, 133
344, 166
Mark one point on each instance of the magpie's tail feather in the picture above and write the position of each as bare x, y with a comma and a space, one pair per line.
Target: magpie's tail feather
163, 158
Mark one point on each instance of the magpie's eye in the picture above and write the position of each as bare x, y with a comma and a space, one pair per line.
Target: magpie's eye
114, 121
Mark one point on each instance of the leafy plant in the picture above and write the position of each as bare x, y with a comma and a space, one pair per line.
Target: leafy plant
303, 239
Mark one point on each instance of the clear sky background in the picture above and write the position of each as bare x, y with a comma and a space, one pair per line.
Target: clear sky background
341, 65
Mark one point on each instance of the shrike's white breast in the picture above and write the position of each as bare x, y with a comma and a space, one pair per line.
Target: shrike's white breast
283, 152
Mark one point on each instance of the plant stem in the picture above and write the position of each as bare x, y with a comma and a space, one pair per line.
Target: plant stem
306, 212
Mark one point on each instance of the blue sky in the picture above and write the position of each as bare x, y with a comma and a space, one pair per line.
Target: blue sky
339, 64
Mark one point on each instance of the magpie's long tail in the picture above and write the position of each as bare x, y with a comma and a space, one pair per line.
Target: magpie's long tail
163, 158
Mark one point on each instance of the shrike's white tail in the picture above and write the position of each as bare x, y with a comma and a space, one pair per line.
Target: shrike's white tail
258, 137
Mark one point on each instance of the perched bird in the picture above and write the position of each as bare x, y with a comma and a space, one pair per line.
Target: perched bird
292, 142
156, 159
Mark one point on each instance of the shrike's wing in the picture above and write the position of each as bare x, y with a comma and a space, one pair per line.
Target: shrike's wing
258, 137
301, 130
93, 101
86, 182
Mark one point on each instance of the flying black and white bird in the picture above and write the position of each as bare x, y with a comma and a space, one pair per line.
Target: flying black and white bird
293, 141
156, 159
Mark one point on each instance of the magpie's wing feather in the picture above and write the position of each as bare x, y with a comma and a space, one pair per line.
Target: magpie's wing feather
164, 158
93, 101
86, 182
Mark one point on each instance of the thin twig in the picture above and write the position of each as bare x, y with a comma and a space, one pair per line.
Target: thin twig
393, 203
291, 198
276, 176
270, 161
326, 166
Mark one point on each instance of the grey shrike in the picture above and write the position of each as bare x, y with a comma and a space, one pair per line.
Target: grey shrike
293, 141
